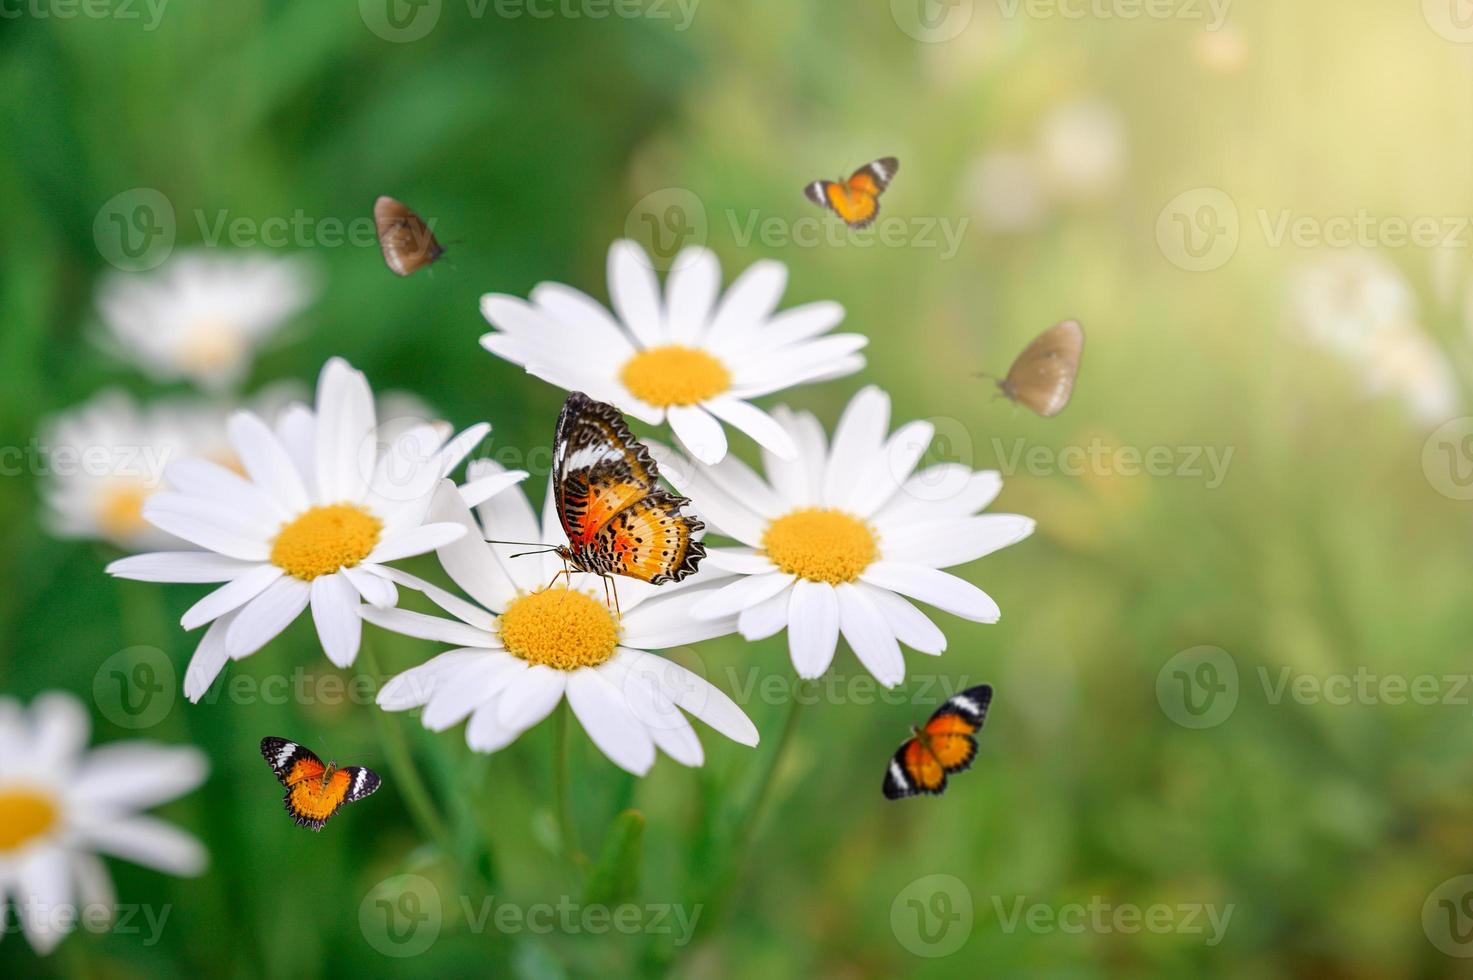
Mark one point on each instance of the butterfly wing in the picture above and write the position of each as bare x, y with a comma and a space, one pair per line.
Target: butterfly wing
312, 802
406, 241
914, 770
818, 193
1042, 377
651, 540
599, 467
361, 782
874, 177
949, 733
291, 762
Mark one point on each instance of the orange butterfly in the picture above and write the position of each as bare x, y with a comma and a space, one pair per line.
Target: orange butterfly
856, 200
944, 745
314, 792
618, 520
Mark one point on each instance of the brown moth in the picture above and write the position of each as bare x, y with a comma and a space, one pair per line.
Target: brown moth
1042, 377
407, 242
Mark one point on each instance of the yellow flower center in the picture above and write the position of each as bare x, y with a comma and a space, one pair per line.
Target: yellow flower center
325, 539
24, 816
674, 375
121, 512
821, 545
560, 628
209, 345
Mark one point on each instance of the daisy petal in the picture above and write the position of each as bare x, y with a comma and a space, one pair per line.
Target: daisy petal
911, 626
232, 595
692, 692
473, 684
415, 687
375, 589
739, 561
763, 428
766, 618
870, 636
939, 544
747, 591
530, 697
137, 775
699, 432
422, 627
267, 462
940, 589
41, 885
264, 617
635, 293
59, 731
208, 660
601, 709
335, 611
813, 627
150, 842
178, 566
889, 471
346, 443
694, 281
408, 543
748, 302
478, 491
859, 438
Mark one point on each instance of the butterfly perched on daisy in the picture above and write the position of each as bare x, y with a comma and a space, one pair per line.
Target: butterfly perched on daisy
943, 745
856, 200
314, 792
606, 487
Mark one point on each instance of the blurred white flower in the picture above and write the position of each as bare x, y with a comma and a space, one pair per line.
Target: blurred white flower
62, 805
1224, 51
1082, 150
1404, 362
1003, 189
323, 504
101, 461
692, 355
201, 316
1342, 301
529, 644
835, 540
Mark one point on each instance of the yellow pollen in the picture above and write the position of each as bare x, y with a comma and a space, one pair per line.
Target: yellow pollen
210, 344
821, 545
24, 816
560, 628
674, 375
325, 539
121, 513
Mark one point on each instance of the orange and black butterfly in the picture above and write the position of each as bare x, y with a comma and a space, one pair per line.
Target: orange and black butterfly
407, 242
605, 484
945, 744
1043, 375
314, 791
856, 200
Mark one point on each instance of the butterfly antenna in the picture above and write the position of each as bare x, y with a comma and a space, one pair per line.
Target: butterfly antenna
525, 544
523, 554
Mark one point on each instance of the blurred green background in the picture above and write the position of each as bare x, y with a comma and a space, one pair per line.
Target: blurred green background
531, 143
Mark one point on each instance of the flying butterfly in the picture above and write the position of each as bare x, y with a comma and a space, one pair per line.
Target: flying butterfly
856, 200
945, 744
407, 242
314, 792
1042, 377
606, 487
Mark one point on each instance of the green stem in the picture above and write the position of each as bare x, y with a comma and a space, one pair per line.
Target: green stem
562, 792
406, 774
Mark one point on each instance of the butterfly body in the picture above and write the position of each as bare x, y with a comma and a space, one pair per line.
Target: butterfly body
406, 241
856, 200
314, 791
945, 744
617, 519
1042, 377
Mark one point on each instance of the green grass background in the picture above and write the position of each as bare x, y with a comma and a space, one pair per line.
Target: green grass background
529, 141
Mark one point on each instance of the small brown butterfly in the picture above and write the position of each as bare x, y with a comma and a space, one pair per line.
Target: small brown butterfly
1042, 377
407, 241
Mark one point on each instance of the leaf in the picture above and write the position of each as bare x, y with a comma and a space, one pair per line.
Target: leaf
615, 876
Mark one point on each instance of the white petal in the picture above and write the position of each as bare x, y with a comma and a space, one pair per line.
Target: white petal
597, 333
608, 721
661, 719
798, 481
478, 491
420, 626
870, 636
767, 618
414, 687
754, 422
178, 566
888, 472
694, 281
484, 733
699, 432
196, 522
375, 589
137, 775
744, 593
910, 625
335, 611
205, 478
739, 561
748, 302
716, 507
813, 627
296, 427
346, 443
265, 616
59, 727
800, 323
150, 842
941, 589
690, 691
635, 292
232, 595
667, 621
938, 492
954, 541
859, 438
406, 544
208, 660
94, 884
267, 462
530, 697
474, 684
467, 612
43, 884
472, 563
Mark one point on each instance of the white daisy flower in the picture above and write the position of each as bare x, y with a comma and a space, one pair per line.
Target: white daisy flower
201, 316
685, 356
511, 668
1343, 300
324, 503
835, 539
1083, 150
103, 459
62, 805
